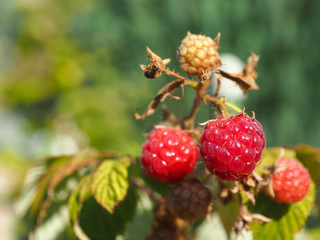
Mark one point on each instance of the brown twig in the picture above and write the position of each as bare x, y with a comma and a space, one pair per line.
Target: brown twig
152, 195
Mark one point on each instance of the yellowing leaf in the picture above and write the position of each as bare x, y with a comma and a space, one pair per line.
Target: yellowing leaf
110, 184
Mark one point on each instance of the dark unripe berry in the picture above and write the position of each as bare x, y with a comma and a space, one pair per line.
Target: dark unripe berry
189, 199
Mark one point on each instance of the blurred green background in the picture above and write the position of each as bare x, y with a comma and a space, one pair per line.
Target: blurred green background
69, 75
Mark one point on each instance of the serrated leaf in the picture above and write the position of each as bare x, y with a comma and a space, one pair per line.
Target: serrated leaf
228, 213
310, 157
110, 183
77, 198
288, 219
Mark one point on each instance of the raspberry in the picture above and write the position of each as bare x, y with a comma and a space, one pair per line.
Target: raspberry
198, 53
291, 184
231, 147
169, 155
189, 200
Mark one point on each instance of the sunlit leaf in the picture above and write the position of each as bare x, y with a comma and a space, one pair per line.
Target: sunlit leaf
288, 219
110, 183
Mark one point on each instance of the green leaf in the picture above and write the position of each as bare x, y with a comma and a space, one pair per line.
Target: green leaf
110, 183
77, 198
310, 157
228, 213
99, 224
270, 156
288, 219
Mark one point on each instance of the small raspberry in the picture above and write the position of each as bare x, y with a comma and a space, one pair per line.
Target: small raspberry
231, 147
291, 184
189, 200
169, 154
198, 53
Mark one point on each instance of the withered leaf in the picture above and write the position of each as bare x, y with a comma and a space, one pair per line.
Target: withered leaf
84, 158
246, 79
164, 92
154, 65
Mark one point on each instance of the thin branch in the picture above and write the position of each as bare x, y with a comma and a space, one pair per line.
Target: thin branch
145, 190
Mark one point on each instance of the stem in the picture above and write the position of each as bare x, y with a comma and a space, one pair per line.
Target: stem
171, 73
234, 107
189, 120
218, 88
206, 177
219, 105
145, 190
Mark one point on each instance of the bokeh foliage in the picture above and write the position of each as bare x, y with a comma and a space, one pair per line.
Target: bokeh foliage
80, 58
77, 60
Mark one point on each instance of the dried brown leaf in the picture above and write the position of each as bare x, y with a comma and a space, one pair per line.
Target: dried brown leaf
246, 79
164, 92
85, 158
154, 65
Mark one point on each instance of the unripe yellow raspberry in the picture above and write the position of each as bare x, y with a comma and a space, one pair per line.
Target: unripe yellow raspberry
198, 53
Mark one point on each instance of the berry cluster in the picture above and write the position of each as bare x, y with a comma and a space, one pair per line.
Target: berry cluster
169, 154
232, 147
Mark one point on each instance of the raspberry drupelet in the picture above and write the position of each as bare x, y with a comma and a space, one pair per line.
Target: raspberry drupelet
169, 154
231, 147
291, 184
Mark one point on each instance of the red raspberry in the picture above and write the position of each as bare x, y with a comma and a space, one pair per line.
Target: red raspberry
231, 147
189, 199
291, 184
169, 154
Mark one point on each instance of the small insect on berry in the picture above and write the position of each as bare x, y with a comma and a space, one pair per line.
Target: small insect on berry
169, 154
292, 183
231, 147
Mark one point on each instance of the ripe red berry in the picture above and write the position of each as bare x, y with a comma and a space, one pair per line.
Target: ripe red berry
189, 199
291, 184
231, 147
169, 154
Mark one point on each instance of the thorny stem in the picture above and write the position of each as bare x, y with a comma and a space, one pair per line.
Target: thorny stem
201, 95
196, 103
172, 73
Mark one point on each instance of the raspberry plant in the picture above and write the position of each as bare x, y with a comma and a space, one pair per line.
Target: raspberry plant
250, 187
